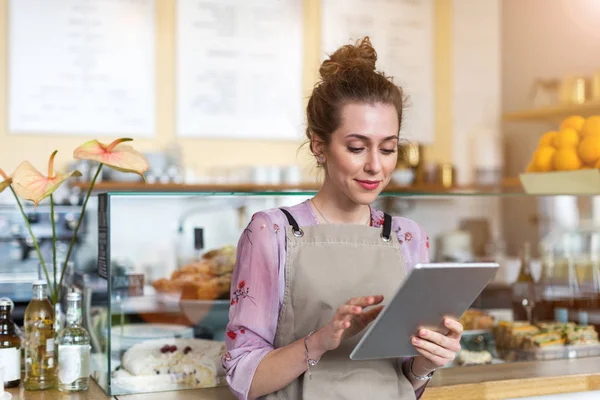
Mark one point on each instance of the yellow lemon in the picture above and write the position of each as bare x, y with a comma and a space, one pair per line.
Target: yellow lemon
567, 137
591, 126
566, 159
597, 165
543, 158
531, 167
589, 149
573, 122
548, 138
587, 166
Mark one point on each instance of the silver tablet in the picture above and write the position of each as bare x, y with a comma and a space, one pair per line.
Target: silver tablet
429, 293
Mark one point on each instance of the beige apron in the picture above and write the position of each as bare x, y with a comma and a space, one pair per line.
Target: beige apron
326, 265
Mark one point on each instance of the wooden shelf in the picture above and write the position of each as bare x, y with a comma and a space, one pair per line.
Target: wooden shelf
554, 113
510, 185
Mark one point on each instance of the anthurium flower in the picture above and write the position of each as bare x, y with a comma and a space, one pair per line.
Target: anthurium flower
30, 184
117, 155
7, 180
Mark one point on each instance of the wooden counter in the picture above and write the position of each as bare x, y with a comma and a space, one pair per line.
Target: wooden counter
490, 382
513, 380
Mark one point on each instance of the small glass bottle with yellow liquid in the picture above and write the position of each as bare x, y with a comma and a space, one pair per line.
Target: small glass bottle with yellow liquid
40, 362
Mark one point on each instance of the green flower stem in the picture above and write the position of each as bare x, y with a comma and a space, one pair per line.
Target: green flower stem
89, 192
35, 242
53, 244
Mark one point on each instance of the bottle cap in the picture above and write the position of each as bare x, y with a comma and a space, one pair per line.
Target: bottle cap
5, 303
40, 282
73, 296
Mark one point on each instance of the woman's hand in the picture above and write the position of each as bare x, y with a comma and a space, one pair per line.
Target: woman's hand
350, 319
436, 349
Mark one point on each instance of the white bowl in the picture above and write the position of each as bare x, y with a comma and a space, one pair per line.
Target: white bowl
403, 177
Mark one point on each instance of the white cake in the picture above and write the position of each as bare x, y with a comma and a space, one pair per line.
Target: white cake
165, 363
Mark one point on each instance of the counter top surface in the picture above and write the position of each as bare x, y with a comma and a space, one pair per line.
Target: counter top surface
501, 381
93, 393
514, 380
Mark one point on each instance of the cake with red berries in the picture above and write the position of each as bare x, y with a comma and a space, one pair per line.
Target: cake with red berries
166, 364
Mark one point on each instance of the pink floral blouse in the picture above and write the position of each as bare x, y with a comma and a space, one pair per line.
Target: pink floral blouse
258, 284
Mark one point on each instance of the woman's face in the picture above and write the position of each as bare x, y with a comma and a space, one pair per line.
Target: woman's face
363, 151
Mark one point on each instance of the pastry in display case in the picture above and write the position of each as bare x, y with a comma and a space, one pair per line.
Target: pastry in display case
522, 341
206, 279
170, 364
474, 319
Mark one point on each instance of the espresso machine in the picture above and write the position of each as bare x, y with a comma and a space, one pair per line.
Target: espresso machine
19, 261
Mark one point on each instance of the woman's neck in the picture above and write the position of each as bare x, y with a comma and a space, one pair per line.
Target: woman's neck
336, 208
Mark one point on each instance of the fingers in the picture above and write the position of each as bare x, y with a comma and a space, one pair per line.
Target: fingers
365, 301
447, 342
433, 349
437, 361
347, 310
456, 328
372, 314
340, 325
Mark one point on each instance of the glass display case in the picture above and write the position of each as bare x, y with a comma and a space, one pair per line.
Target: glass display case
157, 308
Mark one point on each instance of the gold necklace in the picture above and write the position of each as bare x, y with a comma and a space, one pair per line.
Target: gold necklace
325, 218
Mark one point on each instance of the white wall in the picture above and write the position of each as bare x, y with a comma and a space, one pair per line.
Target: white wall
476, 87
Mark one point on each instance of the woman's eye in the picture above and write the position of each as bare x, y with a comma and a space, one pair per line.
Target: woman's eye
355, 149
388, 151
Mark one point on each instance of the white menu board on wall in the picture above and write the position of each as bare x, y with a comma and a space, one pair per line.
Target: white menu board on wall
239, 69
82, 67
402, 33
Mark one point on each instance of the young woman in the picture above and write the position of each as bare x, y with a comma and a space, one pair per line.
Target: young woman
311, 277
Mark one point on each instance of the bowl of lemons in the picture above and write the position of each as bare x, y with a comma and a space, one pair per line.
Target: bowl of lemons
567, 160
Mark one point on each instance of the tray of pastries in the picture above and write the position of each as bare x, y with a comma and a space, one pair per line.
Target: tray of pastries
202, 286
519, 340
208, 278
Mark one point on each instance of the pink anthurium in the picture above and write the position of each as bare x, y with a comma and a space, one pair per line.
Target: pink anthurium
116, 155
7, 180
30, 184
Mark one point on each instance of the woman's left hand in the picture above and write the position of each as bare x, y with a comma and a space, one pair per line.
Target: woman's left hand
438, 350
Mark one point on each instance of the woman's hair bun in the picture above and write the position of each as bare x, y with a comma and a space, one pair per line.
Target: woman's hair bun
359, 56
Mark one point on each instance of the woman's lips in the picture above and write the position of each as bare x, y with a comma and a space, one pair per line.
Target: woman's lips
369, 185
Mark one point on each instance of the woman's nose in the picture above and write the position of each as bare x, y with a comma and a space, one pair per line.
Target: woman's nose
373, 163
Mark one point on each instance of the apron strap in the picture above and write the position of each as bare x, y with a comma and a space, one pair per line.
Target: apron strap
295, 227
387, 227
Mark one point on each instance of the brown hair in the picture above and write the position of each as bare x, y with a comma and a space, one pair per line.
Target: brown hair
348, 76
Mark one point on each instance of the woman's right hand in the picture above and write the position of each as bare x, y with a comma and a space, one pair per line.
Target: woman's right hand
350, 319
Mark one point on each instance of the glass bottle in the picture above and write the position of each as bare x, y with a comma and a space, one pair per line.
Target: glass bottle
10, 346
73, 349
590, 283
40, 366
546, 292
523, 290
569, 291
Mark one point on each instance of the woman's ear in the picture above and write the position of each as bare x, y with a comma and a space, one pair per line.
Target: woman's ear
317, 147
